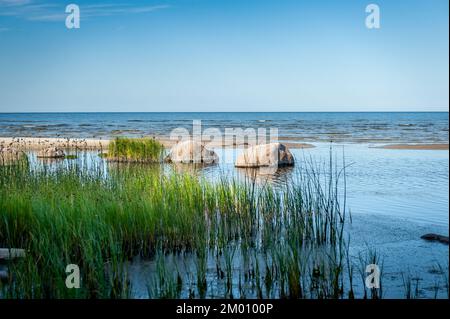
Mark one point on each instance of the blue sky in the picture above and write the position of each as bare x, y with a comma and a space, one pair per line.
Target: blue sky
224, 55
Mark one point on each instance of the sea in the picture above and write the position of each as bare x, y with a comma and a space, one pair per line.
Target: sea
364, 127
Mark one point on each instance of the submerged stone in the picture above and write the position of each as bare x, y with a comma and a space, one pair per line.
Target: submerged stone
436, 237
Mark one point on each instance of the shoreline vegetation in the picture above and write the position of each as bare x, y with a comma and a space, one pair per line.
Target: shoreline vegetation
228, 238
38, 143
142, 150
263, 242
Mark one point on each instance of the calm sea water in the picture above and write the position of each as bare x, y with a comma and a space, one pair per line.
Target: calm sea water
309, 127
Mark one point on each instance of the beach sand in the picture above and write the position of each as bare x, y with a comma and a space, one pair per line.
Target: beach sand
414, 147
36, 143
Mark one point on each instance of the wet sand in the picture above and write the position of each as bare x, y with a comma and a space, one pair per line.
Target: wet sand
414, 147
36, 143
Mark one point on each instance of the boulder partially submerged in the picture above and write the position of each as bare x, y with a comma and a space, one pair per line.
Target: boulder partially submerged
51, 152
10, 155
265, 155
191, 152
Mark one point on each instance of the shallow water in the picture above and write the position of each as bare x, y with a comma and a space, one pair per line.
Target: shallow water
395, 196
405, 184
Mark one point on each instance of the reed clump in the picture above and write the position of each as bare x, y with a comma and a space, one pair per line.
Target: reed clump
139, 150
263, 242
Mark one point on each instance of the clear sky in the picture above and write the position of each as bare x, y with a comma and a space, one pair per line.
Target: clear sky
224, 55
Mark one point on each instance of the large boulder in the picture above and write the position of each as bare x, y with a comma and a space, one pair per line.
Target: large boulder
191, 152
9, 155
265, 155
51, 152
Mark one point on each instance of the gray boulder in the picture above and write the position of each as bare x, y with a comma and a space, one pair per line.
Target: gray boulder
265, 155
192, 152
51, 152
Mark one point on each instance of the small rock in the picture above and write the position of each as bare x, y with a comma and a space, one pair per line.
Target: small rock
435, 237
191, 152
11, 253
266, 155
10, 155
51, 152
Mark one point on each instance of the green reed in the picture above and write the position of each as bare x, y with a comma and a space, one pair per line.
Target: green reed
145, 150
285, 243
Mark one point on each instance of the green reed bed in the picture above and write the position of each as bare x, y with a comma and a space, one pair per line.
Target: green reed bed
141, 150
235, 238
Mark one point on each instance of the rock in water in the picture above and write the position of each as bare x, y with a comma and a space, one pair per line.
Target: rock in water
273, 155
51, 152
435, 237
9, 155
11, 253
191, 152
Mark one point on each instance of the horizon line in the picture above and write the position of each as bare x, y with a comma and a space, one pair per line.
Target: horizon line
168, 112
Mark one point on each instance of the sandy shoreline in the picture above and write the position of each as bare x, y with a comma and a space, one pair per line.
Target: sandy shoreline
37, 143
414, 147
